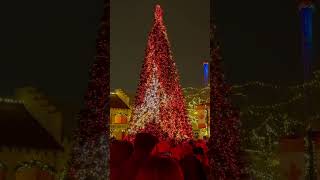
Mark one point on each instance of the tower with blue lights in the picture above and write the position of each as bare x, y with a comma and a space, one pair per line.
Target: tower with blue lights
206, 73
306, 9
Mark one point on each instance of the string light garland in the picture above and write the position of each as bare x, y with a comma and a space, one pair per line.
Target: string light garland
192, 92
313, 83
7, 100
38, 164
159, 105
90, 151
192, 112
278, 105
195, 97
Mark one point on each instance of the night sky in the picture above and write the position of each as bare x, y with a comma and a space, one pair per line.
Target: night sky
48, 45
51, 45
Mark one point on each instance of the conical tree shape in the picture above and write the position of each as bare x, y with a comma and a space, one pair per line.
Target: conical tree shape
159, 106
224, 142
90, 151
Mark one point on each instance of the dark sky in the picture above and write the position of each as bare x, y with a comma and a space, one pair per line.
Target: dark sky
261, 40
50, 45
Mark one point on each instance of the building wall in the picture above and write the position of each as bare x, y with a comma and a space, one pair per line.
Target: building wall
118, 130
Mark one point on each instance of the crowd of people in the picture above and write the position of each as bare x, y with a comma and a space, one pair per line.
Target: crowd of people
150, 159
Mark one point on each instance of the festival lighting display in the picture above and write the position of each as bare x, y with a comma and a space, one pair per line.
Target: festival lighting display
160, 106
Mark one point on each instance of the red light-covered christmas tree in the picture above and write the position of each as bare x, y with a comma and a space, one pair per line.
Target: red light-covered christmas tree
159, 106
90, 152
224, 142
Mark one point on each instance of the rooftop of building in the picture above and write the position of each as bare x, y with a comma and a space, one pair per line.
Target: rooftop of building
18, 129
116, 102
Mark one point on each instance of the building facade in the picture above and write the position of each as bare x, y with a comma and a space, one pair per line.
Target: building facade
120, 113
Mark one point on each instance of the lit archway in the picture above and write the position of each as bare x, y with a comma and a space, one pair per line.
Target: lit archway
34, 170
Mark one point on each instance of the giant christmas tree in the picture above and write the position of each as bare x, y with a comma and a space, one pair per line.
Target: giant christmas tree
159, 105
90, 152
224, 142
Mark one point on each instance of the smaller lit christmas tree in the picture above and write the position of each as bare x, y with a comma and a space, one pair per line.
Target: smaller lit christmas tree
224, 142
90, 152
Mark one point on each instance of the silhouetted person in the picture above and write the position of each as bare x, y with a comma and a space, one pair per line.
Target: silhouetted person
192, 168
163, 147
120, 151
160, 168
143, 145
187, 149
191, 143
177, 152
203, 144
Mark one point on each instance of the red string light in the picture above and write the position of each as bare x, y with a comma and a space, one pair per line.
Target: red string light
224, 142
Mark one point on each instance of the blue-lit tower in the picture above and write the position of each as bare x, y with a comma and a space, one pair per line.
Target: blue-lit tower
206, 73
306, 9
